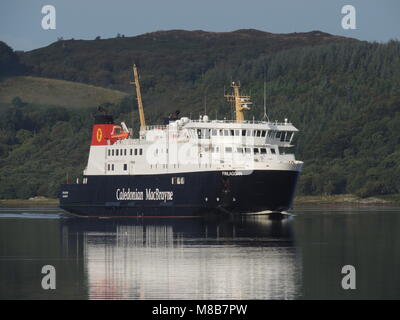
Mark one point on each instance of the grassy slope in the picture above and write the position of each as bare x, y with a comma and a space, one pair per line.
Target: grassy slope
56, 92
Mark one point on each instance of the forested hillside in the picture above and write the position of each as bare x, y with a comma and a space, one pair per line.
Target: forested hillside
166, 58
343, 95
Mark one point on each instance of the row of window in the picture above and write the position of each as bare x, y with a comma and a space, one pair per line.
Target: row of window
165, 166
282, 135
250, 150
110, 167
123, 152
205, 133
241, 150
181, 180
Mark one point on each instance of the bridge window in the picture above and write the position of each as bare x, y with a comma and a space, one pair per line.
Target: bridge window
130, 152
135, 152
108, 167
125, 167
213, 132
116, 152
140, 152
112, 151
243, 133
228, 149
255, 150
278, 134
124, 152
288, 136
226, 133
258, 133
240, 150
237, 132
272, 151
263, 133
112, 167
263, 151
247, 150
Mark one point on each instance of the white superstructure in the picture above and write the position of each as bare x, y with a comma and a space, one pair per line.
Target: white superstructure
188, 145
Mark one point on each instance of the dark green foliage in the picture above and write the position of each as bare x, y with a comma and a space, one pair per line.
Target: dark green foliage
17, 102
165, 58
9, 61
343, 95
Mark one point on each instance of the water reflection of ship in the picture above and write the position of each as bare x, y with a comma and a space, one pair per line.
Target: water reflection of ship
251, 258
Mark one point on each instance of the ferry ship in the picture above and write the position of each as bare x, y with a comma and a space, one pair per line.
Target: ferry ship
186, 167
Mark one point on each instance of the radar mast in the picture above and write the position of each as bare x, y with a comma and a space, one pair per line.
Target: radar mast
241, 102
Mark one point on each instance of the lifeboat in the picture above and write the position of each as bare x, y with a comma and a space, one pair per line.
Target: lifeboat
118, 133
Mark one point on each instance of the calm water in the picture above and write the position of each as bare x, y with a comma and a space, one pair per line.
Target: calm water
299, 257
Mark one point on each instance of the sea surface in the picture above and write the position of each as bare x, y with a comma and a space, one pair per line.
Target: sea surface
298, 256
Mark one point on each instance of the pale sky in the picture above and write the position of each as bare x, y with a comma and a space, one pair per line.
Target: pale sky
21, 28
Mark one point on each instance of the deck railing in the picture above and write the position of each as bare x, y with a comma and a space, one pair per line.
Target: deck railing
164, 127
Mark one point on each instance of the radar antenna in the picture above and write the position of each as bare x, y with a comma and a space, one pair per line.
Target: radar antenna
241, 102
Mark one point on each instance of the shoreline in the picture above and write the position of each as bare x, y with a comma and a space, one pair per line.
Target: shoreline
348, 199
343, 199
29, 203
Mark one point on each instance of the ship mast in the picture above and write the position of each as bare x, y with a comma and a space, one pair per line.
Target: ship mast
241, 102
136, 83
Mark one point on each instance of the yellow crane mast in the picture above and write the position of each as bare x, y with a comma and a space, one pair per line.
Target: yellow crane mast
136, 83
241, 102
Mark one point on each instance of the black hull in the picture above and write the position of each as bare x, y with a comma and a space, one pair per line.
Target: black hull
202, 193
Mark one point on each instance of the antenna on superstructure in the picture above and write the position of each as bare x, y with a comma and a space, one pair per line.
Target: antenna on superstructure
265, 116
205, 104
241, 102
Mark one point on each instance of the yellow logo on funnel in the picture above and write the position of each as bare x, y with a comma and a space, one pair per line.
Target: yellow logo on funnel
99, 135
